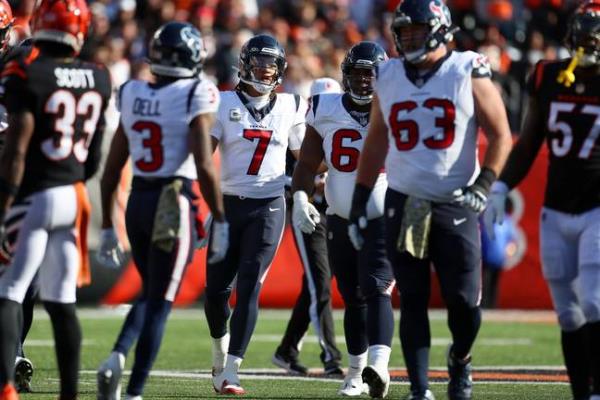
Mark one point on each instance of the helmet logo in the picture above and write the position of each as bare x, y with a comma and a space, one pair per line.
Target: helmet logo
194, 42
439, 13
269, 50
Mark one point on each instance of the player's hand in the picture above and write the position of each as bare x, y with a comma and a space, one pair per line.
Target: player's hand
472, 197
304, 215
494, 212
475, 197
219, 241
110, 254
357, 221
202, 243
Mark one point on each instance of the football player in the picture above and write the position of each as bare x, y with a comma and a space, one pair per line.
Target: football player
164, 129
337, 125
313, 305
254, 128
564, 112
424, 120
55, 104
23, 366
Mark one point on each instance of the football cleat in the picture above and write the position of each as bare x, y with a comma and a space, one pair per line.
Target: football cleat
109, 377
292, 366
460, 385
226, 383
23, 374
332, 369
353, 386
9, 393
133, 397
378, 381
427, 395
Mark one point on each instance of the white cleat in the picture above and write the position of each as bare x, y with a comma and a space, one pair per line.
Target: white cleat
378, 381
109, 377
225, 383
132, 397
353, 387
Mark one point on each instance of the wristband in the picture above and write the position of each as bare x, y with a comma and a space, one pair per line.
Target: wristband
485, 179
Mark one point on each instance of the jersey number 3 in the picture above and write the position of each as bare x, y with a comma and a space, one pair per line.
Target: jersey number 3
65, 108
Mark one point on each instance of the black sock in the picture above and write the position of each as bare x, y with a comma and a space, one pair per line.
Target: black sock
10, 328
594, 338
28, 304
67, 337
576, 355
464, 323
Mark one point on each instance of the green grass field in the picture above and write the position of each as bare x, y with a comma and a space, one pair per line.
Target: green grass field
525, 344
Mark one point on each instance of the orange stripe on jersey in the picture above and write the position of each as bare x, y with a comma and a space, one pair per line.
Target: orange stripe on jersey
13, 68
84, 211
33, 54
539, 74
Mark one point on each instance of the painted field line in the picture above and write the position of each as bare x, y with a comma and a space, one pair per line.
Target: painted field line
249, 375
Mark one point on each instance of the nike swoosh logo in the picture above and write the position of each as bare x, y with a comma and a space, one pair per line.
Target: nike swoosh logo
274, 209
458, 221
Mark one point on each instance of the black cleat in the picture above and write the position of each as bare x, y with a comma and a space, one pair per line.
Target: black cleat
23, 375
290, 365
333, 370
460, 385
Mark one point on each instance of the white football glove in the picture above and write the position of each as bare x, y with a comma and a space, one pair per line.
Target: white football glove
202, 243
471, 197
494, 212
304, 215
110, 254
219, 241
354, 232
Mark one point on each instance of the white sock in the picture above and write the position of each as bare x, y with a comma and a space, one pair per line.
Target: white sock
219, 351
379, 356
357, 364
232, 365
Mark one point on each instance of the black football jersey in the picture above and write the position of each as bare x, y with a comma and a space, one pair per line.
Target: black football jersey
571, 127
68, 100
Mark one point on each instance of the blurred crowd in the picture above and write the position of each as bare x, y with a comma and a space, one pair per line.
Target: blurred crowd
316, 34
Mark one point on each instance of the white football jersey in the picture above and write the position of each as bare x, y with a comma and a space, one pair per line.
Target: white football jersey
343, 139
253, 151
432, 128
156, 121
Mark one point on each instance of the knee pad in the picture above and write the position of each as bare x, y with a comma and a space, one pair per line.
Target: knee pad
353, 297
459, 302
591, 310
566, 305
590, 291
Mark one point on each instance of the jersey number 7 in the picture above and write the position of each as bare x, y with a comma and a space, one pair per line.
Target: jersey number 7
264, 137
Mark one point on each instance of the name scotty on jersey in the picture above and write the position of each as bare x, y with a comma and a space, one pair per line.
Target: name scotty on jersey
146, 107
74, 78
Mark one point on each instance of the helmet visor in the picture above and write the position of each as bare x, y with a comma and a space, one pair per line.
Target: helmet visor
360, 80
412, 37
264, 68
